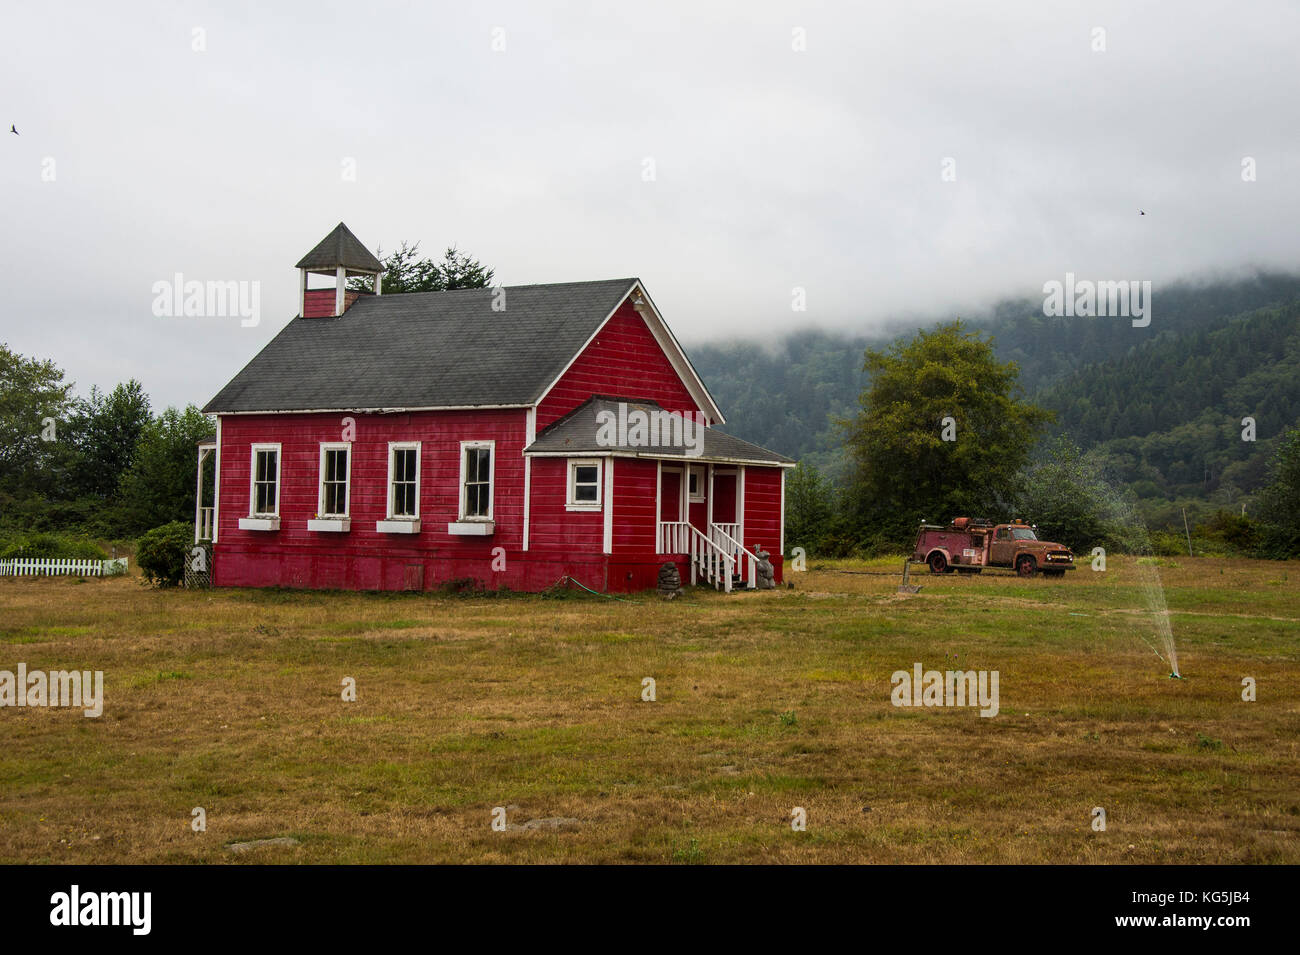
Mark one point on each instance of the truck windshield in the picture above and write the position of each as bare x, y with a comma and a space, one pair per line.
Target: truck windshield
1023, 534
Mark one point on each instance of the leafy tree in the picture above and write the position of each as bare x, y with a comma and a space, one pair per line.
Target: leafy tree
904, 468
1278, 505
159, 486
405, 272
808, 508
106, 430
34, 407
1069, 499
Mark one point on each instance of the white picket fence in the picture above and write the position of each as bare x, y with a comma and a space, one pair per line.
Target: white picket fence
48, 567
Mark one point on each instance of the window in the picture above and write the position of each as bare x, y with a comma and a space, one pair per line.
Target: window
404, 481
584, 486
695, 484
476, 480
264, 497
335, 470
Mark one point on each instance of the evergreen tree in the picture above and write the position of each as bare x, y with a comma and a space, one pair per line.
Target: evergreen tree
1278, 505
159, 485
405, 272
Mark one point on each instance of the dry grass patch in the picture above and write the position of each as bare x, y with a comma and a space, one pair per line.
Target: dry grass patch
230, 700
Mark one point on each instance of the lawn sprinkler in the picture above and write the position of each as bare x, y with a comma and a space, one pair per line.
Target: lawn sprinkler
1175, 675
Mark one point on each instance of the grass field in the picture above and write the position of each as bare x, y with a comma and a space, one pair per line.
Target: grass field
231, 701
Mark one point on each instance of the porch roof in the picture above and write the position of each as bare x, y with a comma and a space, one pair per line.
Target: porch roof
603, 426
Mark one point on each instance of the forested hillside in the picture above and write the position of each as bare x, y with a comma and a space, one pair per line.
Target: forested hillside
1169, 415
1164, 404
788, 398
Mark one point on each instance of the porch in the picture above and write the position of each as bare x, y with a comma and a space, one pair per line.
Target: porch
205, 506
198, 564
703, 482
699, 518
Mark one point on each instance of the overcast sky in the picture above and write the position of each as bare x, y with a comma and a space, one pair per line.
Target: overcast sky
773, 167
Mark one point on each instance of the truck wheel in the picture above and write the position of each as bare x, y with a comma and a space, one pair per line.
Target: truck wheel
1026, 566
938, 563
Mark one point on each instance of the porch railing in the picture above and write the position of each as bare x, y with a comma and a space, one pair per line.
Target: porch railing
203, 531
745, 561
674, 537
706, 558
731, 530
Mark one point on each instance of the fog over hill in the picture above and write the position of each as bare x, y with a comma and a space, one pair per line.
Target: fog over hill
1163, 403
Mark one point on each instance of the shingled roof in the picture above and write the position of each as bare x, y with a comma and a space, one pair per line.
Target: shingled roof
343, 248
578, 432
425, 350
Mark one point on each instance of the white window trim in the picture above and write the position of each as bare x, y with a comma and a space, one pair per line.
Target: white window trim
252, 480
696, 496
570, 501
405, 518
492, 482
347, 481
332, 523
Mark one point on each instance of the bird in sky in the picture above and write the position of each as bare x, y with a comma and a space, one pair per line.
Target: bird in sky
13, 129
1141, 213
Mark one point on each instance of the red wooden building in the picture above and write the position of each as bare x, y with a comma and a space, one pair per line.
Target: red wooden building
512, 436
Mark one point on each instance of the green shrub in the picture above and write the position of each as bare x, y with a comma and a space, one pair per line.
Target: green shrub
44, 544
1168, 544
162, 553
1235, 531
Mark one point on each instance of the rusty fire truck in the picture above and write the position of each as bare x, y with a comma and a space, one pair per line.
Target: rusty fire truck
968, 545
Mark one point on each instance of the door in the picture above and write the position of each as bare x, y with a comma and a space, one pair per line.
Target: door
671, 539
670, 495
724, 497
697, 500
1004, 546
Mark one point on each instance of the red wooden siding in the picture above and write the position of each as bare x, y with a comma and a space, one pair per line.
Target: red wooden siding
561, 542
319, 302
551, 526
624, 360
363, 558
763, 512
634, 507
